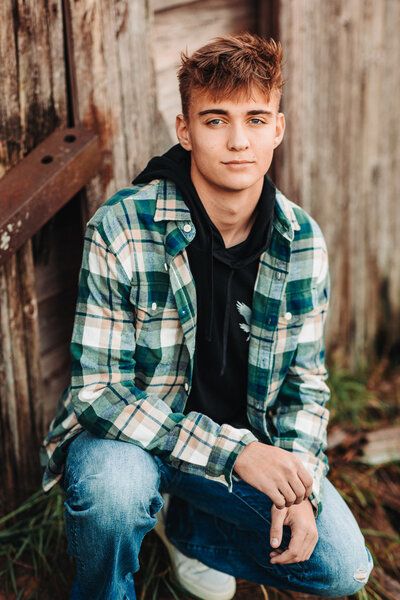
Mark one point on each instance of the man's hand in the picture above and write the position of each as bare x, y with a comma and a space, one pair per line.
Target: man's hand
278, 473
304, 538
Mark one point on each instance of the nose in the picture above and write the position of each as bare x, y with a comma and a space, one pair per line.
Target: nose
237, 139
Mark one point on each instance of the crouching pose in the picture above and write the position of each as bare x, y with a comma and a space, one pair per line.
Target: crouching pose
198, 379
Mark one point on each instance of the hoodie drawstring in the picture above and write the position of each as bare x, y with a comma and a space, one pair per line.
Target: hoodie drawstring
211, 311
226, 322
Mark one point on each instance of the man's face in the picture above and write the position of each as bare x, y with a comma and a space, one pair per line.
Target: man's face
232, 141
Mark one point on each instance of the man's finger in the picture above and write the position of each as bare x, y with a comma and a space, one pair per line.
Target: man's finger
299, 490
306, 479
278, 499
294, 550
277, 518
288, 493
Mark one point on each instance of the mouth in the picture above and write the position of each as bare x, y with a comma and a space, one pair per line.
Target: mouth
239, 162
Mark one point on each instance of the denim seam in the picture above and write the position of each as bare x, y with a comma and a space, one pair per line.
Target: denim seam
251, 507
74, 539
210, 548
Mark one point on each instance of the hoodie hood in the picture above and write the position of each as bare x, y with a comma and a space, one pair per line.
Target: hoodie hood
175, 165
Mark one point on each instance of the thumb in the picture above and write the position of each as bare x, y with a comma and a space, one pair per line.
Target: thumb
277, 517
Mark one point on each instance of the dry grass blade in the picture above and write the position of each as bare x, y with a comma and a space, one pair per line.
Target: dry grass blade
264, 592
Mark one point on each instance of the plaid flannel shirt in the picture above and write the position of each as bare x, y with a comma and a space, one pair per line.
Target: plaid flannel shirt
133, 341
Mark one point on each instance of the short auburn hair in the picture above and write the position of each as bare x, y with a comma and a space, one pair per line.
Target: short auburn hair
231, 65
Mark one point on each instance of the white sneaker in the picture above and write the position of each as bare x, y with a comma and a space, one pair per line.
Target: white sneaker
197, 579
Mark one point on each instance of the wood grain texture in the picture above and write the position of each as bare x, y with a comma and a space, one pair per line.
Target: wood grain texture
115, 78
33, 104
160, 5
340, 158
109, 86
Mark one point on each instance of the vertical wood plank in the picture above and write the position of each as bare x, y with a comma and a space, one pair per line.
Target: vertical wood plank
112, 55
340, 158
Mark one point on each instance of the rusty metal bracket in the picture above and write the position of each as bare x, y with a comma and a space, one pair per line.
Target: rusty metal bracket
46, 179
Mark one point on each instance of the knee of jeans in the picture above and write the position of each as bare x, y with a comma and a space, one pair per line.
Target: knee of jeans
348, 574
360, 570
113, 504
121, 488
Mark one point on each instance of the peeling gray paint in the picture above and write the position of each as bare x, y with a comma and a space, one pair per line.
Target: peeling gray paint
5, 241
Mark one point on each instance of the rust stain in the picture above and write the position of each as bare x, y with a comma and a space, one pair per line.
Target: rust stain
104, 125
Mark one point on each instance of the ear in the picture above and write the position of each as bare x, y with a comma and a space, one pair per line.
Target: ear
279, 129
182, 132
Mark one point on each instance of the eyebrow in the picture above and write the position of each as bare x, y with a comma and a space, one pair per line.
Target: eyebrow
221, 111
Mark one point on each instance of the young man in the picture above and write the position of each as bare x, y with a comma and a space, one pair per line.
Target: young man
198, 361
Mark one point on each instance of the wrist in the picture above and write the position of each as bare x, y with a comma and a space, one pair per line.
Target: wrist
243, 457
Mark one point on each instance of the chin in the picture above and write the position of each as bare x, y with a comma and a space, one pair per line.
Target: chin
237, 185
237, 188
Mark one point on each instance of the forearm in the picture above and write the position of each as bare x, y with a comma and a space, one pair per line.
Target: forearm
193, 443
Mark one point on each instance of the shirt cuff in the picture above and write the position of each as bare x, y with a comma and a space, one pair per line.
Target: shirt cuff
230, 463
227, 476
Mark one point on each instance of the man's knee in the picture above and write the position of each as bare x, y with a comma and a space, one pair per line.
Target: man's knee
344, 574
112, 483
341, 557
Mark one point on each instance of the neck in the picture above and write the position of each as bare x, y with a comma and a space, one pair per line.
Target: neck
231, 211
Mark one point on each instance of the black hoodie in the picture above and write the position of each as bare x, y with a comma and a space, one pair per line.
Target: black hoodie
224, 280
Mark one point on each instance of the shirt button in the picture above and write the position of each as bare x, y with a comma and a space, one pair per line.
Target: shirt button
288, 316
154, 306
278, 275
187, 228
186, 386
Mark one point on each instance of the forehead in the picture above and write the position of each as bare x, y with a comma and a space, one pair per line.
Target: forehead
241, 102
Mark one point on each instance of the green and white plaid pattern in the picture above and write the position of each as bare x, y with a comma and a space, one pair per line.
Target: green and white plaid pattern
134, 333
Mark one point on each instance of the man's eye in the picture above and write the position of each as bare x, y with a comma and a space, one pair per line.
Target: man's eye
214, 122
257, 121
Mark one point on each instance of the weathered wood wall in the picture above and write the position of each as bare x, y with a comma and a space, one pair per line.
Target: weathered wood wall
106, 82
341, 158
32, 78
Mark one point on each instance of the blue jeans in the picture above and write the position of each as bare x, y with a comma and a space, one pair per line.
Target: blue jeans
113, 492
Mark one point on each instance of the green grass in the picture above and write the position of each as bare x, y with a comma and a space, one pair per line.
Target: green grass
349, 397
32, 539
359, 400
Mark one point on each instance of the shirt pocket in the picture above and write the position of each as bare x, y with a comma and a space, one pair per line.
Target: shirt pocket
294, 309
156, 317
